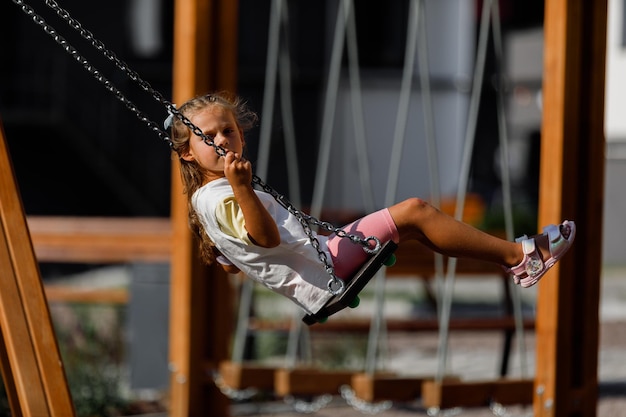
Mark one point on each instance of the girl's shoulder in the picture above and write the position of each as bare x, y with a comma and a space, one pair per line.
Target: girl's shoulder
220, 190
215, 186
214, 190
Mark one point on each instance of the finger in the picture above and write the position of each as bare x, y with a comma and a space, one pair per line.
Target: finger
230, 157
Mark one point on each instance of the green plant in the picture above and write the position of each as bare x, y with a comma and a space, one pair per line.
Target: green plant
91, 345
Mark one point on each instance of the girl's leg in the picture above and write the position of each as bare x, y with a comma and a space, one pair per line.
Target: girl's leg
348, 257
416, 219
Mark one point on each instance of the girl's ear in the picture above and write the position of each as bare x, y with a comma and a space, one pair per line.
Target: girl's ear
187, 156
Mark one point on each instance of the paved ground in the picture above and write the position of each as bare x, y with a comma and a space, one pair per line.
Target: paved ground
475, 356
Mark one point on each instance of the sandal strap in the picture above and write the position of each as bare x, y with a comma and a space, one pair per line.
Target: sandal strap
557, 243
521, 239
532, 264
553, 232
528, 246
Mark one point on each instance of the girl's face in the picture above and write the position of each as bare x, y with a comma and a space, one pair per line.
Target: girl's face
220, 125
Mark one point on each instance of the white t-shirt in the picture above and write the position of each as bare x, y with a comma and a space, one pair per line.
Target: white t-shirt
292, 269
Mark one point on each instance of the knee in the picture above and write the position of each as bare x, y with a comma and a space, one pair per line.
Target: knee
417, 205
411, 210
410, 216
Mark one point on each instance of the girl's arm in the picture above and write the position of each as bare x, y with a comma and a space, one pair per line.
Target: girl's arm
225, 263
230, 269
260, 225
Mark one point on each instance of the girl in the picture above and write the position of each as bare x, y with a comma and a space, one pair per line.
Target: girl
247, 230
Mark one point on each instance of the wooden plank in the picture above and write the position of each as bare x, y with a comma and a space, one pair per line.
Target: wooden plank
183, 391
572, 187
387, 386
9, 382
23, 370
64, 294
36, 370
310, 381
100, 239
247, 375
205, 33
146, 239
451, 394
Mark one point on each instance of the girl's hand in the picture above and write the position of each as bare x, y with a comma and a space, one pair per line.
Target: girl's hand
238, 171
260, 225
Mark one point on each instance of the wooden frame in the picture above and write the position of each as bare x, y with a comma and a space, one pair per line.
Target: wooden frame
309, 381
32, 369
572, 179
205, 54
383, 386
572, 187
450, 394
240, 376
101, 239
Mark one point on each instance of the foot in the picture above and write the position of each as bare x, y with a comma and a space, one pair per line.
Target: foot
541, 252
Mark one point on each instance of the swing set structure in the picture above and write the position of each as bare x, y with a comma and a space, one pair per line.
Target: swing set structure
565, 382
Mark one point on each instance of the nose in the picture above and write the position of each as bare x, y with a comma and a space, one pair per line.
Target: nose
220, 140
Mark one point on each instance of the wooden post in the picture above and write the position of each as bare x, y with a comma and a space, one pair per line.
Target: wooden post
205, 50
572, 185
32, 369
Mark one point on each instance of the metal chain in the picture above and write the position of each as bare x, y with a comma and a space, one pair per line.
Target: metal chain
335, 285
370, 244
232, 393
90, 68
438, 412
363, 406
308, 407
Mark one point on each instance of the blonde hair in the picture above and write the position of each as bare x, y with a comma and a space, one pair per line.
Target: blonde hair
191, 173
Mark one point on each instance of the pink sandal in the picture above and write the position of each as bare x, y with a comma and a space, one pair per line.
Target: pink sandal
533, 267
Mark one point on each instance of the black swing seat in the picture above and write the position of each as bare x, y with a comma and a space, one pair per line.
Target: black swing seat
354, 286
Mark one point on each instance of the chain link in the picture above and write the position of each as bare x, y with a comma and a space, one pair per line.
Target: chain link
365, 407
309, 407
232, 393
370, 244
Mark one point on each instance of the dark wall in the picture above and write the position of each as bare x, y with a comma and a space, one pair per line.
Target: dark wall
76, 149
79, 151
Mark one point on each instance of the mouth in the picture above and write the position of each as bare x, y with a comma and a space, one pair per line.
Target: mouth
221, 151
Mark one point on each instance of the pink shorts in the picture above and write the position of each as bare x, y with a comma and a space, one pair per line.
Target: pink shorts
348, 257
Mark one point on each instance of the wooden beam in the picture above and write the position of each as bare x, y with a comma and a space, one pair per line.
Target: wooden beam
241, 376
100, 239
20, 370
387, 386
205, 39
31, 363
572, 187
451, 394
310, 381
65, 294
